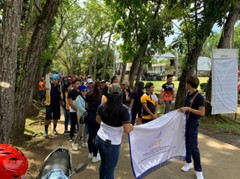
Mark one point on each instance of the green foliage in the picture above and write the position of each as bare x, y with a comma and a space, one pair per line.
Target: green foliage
210, 44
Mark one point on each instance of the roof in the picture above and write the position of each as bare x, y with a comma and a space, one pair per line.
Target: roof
167, 55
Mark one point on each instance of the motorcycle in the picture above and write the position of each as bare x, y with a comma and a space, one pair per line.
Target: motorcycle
58, 165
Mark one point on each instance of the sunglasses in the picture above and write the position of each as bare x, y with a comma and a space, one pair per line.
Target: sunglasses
84, 90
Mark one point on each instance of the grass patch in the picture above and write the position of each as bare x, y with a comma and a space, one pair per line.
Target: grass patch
158, 84
32, 135
221, 127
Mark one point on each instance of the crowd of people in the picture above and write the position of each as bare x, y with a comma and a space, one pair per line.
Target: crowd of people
99, 111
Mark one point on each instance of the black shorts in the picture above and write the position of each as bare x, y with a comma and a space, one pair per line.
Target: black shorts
52, 113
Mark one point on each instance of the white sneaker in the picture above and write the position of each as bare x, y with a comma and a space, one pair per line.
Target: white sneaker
84, 144
74, 146
187, 167
90, 155
45, 134
96, 159
199, 175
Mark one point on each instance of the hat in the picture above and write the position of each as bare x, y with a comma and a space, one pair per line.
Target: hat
55, 77
82, 87
114, 89
73, 80
103, 81
125, 82
89, 80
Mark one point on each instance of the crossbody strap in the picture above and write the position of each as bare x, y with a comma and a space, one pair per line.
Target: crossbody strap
191, 102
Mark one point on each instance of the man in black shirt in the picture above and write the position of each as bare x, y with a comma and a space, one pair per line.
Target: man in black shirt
53, 101
194, 108
73, 109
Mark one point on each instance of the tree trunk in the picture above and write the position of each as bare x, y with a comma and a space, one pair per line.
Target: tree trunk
139, 72
8, 65
224, 42
228, 27
123, 72
107, 51
190, 65
135, 64
46, 67
140, 52
30, 65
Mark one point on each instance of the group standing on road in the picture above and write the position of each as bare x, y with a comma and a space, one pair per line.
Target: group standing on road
99, 112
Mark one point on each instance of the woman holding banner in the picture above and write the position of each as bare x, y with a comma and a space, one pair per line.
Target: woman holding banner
113, 118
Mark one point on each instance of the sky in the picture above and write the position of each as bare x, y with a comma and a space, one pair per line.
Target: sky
176, 31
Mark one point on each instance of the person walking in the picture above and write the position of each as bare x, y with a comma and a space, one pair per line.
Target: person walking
53, 101
167, 93
81, 112
73, 94
149, 104
113, 118
136, 105
93, 100
65, 104
114, 79
194, 108
126, 92
42, 91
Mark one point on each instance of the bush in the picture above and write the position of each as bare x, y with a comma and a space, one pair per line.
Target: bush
203, 87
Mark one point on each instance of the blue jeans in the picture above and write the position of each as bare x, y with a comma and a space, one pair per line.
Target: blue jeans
42, 96
167, 106
67, 118
109, 157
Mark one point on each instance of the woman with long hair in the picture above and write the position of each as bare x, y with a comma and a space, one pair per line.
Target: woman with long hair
93, 100
81, 112
113, 118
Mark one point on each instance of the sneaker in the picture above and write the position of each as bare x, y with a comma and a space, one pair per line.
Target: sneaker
55, 132
45, 134
199, 175
90, 155
66, 132
187, 167
71, 139
96, 159
74, 146
84, 144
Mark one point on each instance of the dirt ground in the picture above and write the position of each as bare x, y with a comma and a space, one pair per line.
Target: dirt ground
219, 159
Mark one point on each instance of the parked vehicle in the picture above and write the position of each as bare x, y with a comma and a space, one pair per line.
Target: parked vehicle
152, 76
58, 164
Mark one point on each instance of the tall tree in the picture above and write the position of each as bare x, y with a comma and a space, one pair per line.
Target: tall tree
26, 79
8, 65
225, 41
198, 26
143, 26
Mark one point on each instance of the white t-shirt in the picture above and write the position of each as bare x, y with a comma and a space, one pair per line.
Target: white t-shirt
114, 134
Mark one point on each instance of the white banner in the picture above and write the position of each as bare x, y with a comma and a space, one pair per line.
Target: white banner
153, 144
224, 81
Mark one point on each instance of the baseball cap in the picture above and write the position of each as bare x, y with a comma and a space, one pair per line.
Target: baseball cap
89, 80
55, 77
73, 80
114, 89
125, 82
82, 87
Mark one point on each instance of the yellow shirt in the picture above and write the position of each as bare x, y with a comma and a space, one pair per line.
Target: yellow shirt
151, 104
